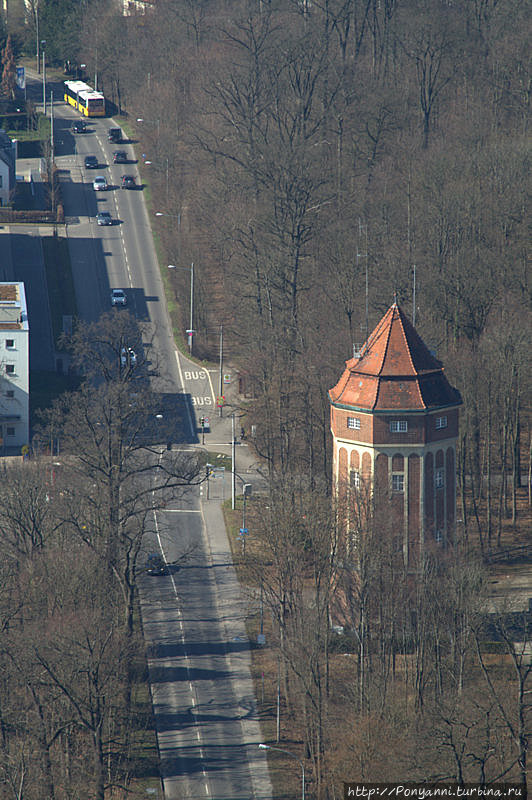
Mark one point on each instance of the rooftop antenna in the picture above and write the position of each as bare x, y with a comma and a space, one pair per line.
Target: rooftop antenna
363, 231
414, 299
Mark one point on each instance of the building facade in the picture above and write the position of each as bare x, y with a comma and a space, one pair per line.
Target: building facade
394, 422
14, 368
8, 160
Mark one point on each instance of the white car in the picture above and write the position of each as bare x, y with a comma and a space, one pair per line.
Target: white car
128, 355
99, 184
118, 297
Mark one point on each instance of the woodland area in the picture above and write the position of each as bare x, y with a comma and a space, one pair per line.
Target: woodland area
306, 150
302, 146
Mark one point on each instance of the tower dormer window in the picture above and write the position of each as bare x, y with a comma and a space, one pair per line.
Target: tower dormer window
353, 423
439, 478
398, 426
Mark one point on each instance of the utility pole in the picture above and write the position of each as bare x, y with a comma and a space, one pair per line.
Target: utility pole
221, 386
233, 472
191, 305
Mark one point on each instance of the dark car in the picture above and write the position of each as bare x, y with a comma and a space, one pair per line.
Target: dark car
91, 162
128, 182
114, 135
79, 127
155, 564
119, 157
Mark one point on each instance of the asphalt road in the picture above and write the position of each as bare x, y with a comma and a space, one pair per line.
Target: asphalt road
203, 700
198, 704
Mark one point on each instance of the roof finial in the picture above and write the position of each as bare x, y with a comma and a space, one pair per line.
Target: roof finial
395, 298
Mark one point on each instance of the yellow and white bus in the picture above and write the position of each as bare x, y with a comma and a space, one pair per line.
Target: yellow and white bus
86, 100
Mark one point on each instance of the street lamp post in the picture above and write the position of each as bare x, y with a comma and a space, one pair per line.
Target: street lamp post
43, 48
52, 135
288, 753
159, 213
190, 331
152, 122
37, 38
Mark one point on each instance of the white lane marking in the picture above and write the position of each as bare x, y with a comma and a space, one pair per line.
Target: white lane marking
210, 383
180, 370
186, 656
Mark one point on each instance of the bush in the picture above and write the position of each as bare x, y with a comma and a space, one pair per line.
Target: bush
10, 215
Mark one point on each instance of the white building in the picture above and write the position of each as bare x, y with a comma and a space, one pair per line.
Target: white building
14, 368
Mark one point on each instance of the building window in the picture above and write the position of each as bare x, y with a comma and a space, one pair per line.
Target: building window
439, 478
398, 482
441, 422
354, 423
398, 426
438, 535
10, 344
10, 393
10, 431
10, 369
354, 479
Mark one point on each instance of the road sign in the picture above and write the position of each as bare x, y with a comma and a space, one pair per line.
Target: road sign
206, 421
243, 530
21, 78
227, 377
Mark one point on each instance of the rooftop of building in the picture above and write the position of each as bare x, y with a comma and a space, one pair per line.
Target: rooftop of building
13, 309
393, 371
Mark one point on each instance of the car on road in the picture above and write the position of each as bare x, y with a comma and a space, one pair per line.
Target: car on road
114, 135
128, 182
119, 157
104, 218
118, 297
79, 127
99, 184
155, 564
91, 162
128, 356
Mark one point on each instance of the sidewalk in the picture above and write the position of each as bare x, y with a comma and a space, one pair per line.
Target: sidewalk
232, 609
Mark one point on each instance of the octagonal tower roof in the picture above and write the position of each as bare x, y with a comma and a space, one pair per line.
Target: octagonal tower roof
394, 370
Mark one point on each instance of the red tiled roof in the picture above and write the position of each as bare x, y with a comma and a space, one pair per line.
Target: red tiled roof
395, 370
